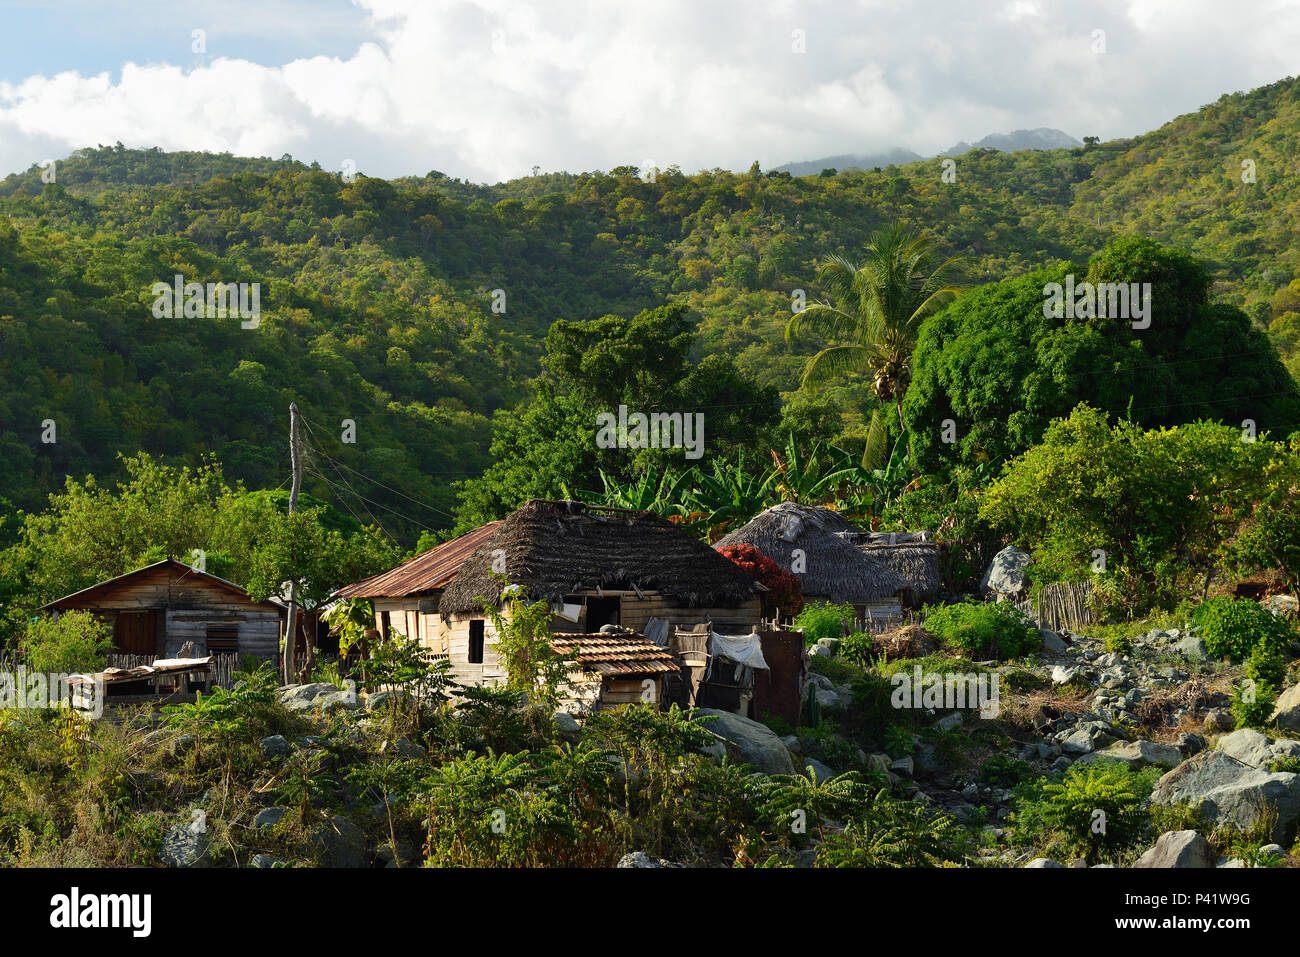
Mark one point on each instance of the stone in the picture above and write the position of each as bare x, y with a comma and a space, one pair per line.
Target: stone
1006, 572
1178, 849
276, 746
642, 859
792, 743
305, 697
949, 722
1256, 749
1061, 764
1044, 862
405, 857
830, 644
339, 843
388, 698
564, 723
878, 762
819, 651
403, 748
903, 766
1227, 791
339, 700
265, 860
1273, 850
185, 845
1053, 642
1192, 646
1219, 720
827, 698
1287, 713
1080, 741
1063, 676
754, 743
269, 817
1137, 755
1190, 743
820, 771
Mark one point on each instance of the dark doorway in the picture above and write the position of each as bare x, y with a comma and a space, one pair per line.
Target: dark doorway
603, 611
136, 632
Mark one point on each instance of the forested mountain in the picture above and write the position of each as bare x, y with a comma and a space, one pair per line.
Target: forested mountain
378, 296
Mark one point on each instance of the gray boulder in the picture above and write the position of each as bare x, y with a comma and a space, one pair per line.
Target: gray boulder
269, 817
339, 843
1137, 754
1053, 642
1178, 849
949, 722
1287, 713
564, 723
276, 746
185, 845
1044, 862
1258, 750
1226, 791
265, 860
305, 697
1192, 646
830, 644
820, 771
1006, 573
753, 743
640, 859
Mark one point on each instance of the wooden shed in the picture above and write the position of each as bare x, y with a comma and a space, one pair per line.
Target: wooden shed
614, 670
156, 609
595, 566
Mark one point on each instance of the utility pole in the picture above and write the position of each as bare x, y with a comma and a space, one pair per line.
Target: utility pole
291, 636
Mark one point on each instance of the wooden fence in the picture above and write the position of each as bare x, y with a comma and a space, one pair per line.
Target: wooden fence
223, 666
1061, 605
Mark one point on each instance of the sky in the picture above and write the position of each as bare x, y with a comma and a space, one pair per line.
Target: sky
486, 90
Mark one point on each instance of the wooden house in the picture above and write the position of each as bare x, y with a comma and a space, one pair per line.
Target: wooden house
593, 566
156, 609
809, 542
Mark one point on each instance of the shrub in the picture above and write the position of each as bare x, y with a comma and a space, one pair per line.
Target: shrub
1094, 809
890, 833
76, 641
1235, 627
1252, 702
998, 630
1000, 771
858, 648
823, 620
783, 588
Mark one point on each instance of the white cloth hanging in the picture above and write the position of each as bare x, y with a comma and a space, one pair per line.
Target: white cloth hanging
742, 649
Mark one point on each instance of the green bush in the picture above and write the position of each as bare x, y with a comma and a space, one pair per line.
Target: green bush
858, 648
1001, 771
1253, 702
822, 620
998, 630
1094, 810
77, 641
1234, 627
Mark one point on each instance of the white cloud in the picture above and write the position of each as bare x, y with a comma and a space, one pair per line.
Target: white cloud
584, 84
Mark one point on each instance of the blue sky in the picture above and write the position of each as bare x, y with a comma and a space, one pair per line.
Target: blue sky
51, 36
488, 89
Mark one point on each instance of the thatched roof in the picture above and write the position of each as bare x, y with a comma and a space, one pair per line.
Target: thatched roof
917, 563
834, 567
554, 549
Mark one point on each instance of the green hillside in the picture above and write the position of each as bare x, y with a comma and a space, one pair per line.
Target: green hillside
378, 296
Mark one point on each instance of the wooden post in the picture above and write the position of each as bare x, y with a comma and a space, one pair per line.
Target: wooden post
291, 631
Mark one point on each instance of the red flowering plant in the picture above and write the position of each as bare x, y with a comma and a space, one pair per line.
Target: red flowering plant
784, 593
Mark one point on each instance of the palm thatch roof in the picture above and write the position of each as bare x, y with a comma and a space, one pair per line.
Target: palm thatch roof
917, 563
833, 567
553, 549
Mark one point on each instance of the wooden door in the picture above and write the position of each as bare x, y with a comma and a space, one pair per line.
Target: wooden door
137, 632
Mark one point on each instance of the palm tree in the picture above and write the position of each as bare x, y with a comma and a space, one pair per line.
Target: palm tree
876, 311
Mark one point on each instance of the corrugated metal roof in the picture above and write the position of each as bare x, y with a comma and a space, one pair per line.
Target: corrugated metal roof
616, 654
424, 573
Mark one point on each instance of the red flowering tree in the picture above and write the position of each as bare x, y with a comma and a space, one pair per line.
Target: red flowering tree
784, 593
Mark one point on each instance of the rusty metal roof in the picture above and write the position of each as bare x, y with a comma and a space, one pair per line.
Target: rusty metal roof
426, 572
616, 654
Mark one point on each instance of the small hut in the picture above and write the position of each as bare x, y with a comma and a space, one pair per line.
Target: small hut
910, 555
614, 669
811, 543
156, 610
593, 566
